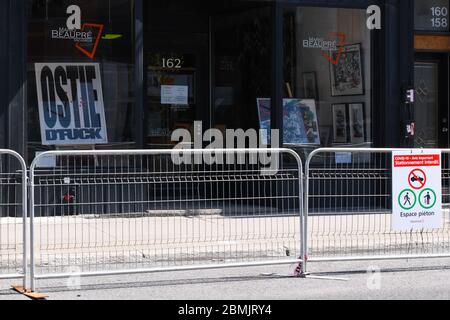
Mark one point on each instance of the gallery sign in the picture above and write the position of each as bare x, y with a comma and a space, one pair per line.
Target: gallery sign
416, 190
75, 35
86, 36
70, 100
330, 49
319, 43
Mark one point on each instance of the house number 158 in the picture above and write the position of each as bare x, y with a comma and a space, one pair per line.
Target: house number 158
439, 19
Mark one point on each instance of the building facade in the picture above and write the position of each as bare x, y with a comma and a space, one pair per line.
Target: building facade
124, 74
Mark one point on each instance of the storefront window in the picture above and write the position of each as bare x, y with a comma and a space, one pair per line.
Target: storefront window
80, 74
327, 78
177, 63
211, 63
242, 60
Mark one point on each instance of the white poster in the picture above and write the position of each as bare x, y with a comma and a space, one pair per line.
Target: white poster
70, 100
174, 95
416, 190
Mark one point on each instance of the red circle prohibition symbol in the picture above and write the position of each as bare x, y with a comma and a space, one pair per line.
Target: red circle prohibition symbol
417, 179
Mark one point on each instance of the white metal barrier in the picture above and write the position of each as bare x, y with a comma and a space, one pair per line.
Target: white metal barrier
348, 209
138, 211
13, 216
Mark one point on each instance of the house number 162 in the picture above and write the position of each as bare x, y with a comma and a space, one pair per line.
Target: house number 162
171, 63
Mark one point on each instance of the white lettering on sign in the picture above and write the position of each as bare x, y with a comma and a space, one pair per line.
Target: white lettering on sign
70, 100
416, 190
75, 35
320, 43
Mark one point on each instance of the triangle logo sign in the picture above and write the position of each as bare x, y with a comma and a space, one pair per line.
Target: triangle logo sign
342, 41
90, 49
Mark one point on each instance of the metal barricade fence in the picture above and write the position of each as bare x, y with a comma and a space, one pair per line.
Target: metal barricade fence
128, 212
13, 216
348, 209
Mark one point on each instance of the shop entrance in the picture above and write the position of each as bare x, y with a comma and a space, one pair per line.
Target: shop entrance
176, 92
431, 108
177, 70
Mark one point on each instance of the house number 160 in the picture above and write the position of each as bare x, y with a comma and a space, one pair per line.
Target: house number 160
439, 19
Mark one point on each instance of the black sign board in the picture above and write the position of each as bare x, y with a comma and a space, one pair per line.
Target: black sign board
431, 15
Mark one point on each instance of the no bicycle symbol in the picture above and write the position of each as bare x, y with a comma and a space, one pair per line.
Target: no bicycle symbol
417, 179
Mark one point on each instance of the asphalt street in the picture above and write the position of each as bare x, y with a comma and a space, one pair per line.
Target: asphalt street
402, 279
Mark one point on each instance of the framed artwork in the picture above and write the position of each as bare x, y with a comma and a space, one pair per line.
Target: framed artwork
347, 75
340, 123
300, 122
264, 115
310, 86
356, 123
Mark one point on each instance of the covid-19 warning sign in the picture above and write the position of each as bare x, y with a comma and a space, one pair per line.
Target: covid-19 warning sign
416, 190
70, 100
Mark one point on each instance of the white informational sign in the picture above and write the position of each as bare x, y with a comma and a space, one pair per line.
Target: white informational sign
174, 95
46, 161
343, 157
416, 190
70, 100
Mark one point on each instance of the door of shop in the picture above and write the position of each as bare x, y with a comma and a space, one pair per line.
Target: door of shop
431, 108
177, 70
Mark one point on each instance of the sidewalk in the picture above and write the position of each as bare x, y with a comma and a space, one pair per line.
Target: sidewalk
95, 242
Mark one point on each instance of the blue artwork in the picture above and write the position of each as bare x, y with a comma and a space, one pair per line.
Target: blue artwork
300, 122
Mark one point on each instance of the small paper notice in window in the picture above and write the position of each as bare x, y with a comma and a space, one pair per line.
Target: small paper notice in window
174, 95
343, 157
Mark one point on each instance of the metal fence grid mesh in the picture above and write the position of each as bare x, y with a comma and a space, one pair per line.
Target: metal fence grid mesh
350, 209
11, 217
113, 212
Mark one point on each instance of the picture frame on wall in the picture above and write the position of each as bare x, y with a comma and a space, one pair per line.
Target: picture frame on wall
357, 123
347, 72
340, 123
300, 122
310, 86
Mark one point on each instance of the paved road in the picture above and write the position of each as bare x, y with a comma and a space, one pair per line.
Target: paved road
415, 279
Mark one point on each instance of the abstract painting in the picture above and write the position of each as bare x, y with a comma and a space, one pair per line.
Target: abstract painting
346, 75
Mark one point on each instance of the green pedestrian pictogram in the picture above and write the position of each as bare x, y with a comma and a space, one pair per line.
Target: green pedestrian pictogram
427, 198
407, 199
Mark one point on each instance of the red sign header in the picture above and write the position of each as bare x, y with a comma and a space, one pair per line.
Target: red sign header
422, 160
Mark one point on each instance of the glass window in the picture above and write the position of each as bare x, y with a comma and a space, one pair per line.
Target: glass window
242, 64
171, 96
177, 69
101, 33
327, 78
211, 63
